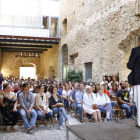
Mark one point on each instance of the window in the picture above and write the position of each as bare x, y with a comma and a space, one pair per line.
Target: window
65, 26
88, 67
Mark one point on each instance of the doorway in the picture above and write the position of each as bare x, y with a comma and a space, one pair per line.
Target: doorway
27, 72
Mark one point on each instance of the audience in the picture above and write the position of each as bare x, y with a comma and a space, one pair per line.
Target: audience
42, 104
125, 100
65, 95
90, 104
57, 106
113, 93
26, 99
104, 104
9, 107
42, 99
79, 98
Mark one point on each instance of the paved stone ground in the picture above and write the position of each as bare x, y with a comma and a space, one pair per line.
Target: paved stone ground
41, 133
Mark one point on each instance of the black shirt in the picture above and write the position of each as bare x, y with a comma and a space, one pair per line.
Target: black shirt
124, 95
53, 102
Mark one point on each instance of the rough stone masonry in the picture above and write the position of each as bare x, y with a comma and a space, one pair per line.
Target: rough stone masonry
102, 32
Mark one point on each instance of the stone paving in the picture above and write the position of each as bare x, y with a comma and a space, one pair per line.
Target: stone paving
41, 133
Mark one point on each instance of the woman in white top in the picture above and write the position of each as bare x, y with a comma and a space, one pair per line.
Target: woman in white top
42, 104
65, 95
8, 101
104, 104
89, 102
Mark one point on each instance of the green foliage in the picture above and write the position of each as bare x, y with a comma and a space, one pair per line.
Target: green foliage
73, 75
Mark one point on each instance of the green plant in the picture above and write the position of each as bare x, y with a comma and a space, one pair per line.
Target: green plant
73, 75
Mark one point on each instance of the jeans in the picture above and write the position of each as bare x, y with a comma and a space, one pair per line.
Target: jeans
113, 103
66, 103
40, 115
107, 108
25, 120
74, 105
0, 87
80, 108
62, 113
129, 109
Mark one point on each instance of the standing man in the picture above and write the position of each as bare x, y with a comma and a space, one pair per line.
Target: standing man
1, 80
134, 77
26, 99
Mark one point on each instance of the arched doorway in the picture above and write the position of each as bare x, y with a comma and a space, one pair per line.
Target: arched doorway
28, 71
64, 61
51, 72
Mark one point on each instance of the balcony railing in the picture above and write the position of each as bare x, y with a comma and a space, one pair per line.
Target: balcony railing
30, 32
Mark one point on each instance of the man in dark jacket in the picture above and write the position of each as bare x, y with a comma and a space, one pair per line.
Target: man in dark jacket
134, 77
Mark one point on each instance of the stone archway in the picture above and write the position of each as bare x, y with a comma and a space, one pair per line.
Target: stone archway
28, 65
125, 48
51, 72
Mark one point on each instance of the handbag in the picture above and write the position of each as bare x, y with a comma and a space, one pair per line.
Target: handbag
9, 104
95, 107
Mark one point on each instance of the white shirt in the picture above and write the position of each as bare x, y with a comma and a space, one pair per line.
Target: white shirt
49, 94
65, 93
40, 101
102, 99
12, 94
89, 99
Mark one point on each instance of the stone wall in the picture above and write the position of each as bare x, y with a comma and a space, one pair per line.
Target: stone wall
48, 61
10, 65
51, 63
101, 32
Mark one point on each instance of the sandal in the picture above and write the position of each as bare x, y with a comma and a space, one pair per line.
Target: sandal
137, 126
13, 128
7, 129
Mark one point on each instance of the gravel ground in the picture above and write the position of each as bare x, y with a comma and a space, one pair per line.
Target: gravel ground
41, 133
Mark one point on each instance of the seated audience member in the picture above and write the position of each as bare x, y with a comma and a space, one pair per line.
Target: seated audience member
79, 98
16, 89
115, 80
26, 99
104, 104
109, 78
8, 101
34, 89
57, 106
20, 90
72, 95
113, 93
125, 101
127, 86
90, 104
105, 89
94, 89
65, 95
42, 104
48, 91
60, 90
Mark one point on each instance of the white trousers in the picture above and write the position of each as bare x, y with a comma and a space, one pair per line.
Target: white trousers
137, 101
